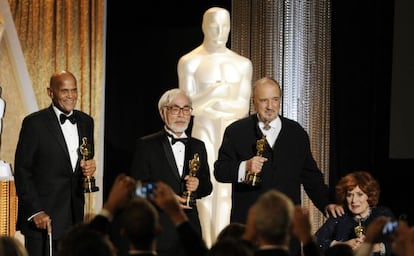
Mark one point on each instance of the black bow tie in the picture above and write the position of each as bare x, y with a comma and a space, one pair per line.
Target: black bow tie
64, 117
174, 140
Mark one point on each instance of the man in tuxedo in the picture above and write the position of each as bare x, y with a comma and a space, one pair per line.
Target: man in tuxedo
284, 163
48, 168
167, 156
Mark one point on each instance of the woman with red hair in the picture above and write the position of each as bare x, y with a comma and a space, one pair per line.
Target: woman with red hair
359, 194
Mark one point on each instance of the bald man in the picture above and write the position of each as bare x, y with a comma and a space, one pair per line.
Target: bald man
48, 168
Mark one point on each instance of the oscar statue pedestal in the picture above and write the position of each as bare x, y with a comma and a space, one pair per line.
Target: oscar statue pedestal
8, 201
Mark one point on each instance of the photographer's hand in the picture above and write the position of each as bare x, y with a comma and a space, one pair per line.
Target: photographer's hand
403, 243
183, 202
374, 229
120, 193
167, 200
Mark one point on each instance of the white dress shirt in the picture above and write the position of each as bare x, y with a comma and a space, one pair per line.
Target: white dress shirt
271, 136
70, 132
179, 151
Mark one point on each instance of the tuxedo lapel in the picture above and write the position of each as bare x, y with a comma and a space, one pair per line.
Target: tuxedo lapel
169, 155
258, 132
53, 125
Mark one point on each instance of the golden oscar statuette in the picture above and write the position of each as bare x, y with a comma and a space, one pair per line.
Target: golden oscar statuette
89, 181
253, 178
194, 165
359, 230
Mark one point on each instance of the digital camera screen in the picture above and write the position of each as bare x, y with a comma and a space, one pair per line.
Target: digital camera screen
390, 227
144, 189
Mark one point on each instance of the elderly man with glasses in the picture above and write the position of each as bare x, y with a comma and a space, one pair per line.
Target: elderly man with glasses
173, 157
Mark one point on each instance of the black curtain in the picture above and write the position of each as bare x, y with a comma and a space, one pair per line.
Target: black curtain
362, 47
140, 65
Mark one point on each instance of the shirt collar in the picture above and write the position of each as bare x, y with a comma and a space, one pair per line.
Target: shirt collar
275, 123
58, 112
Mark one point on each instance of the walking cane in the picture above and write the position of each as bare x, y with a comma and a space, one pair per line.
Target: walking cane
49, 235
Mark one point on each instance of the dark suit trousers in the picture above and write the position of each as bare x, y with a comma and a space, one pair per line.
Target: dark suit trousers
36, 246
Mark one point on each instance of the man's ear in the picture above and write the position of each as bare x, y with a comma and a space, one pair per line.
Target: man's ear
162, 115
50, 92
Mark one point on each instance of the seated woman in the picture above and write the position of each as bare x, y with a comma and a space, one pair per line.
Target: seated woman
359, 193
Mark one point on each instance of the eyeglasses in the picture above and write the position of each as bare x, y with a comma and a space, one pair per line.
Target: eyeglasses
175, 110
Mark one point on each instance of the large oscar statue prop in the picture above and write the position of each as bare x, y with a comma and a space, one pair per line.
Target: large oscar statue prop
253, 178
194, 165
89, 181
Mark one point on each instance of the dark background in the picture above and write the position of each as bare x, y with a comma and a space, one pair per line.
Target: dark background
143, 47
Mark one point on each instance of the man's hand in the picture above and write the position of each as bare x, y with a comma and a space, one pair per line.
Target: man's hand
41, 220
88, 167
255, 164
334, 210
191, 183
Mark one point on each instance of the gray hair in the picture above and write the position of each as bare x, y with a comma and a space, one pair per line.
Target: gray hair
274, 216
169, 96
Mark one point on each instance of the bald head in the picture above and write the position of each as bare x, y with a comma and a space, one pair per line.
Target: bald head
266, 99
63, 91
59, 77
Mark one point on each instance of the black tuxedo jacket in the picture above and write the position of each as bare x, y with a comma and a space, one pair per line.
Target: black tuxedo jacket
290, 164
44, 178
154, 161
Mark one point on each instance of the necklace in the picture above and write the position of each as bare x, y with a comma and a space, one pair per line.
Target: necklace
363, 219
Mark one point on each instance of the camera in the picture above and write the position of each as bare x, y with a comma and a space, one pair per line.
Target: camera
390, 227
144, 189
